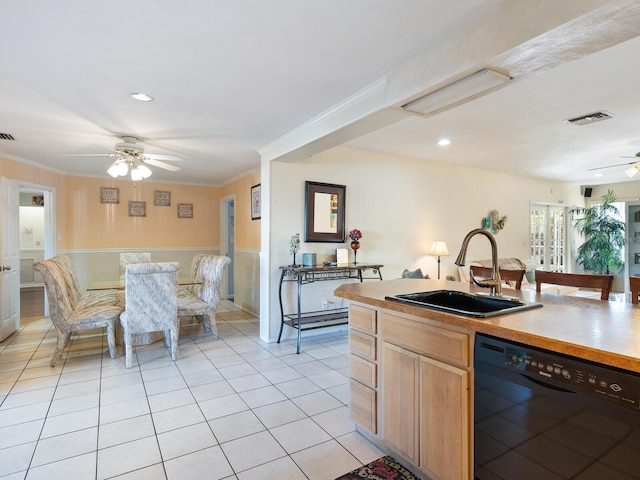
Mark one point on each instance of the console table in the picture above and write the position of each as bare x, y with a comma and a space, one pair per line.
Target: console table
305, 275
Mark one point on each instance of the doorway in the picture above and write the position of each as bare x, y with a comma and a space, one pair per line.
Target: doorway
228, 242
35, 244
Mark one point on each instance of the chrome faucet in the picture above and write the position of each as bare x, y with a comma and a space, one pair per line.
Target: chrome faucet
495, 282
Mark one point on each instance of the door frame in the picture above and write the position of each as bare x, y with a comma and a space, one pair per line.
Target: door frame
49, 234
224, 244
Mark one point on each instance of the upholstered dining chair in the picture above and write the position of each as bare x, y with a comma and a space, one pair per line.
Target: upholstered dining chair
203, 304
194, 289
127, 258
151, 292
68, 314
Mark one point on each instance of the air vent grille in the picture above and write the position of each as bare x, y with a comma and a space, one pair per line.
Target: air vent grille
590, 118
6, 136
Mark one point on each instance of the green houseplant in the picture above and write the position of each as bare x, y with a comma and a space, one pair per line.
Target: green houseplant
604, 236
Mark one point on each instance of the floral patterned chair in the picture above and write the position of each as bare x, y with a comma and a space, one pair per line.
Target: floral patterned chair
127, 258
70, 310
194, 289
151, 291
203, 304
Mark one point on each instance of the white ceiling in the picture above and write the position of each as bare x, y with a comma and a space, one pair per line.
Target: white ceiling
231, 76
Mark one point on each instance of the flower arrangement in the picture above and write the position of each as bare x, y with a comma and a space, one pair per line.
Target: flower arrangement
294, 244
355, 235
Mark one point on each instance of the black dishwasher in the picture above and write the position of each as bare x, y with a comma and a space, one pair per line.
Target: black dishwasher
542, 415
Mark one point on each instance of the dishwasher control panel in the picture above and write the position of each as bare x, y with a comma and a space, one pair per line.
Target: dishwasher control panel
561, 371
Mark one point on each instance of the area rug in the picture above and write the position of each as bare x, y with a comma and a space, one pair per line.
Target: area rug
385, 468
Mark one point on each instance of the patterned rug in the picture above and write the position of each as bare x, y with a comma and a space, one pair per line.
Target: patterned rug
385, 468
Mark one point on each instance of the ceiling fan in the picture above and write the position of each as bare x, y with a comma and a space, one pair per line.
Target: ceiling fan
629, 171
130, 155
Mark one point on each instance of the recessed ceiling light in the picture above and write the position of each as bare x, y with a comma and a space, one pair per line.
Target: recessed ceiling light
142, 97
599, 175
443, 142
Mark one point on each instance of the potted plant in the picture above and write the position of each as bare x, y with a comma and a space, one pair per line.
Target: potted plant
604, 236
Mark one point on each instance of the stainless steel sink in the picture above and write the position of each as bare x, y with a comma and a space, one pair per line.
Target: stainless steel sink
467, 304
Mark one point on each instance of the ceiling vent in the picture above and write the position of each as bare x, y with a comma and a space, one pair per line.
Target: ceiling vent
6, 136
590, 118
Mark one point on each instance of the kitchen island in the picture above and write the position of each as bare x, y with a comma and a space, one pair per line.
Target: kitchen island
412, 377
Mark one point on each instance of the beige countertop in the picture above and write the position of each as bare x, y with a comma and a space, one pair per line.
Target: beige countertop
606, 332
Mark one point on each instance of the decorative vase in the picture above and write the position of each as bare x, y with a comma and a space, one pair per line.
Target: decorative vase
355, 245
294, 260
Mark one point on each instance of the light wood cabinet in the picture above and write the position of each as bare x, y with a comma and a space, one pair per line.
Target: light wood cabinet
425, 395
400, 400
363, 343
444, 419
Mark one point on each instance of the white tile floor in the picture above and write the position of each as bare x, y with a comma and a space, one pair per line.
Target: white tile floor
230, 408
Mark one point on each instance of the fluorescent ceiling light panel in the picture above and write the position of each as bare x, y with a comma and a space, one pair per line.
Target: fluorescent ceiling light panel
465, 89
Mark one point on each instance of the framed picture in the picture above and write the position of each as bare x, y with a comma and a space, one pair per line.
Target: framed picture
324, 212
109, 195
162, 198
185, 210
256, 205
137, 209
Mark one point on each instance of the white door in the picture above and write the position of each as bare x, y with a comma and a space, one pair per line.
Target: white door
10, 255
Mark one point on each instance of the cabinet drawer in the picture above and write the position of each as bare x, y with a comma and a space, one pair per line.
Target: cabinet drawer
363, 318
364, 406
362, 344
426, 340
363, 371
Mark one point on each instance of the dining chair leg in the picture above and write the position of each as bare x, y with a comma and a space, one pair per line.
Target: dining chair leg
128, 340
111, 340
63, 338
174, 343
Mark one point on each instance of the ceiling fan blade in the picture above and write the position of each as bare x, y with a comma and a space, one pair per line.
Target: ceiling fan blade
616, 165
89, 154
160, 164
160, 156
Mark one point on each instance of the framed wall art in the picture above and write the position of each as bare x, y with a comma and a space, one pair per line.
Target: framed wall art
185, 210
109, 195
256, 202
324, 212
162, 198
137, 209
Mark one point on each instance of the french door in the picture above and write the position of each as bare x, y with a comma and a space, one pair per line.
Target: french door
549, 237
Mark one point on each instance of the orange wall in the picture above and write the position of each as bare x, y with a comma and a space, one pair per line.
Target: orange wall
247, 230
92, 224
30, 174
82, 222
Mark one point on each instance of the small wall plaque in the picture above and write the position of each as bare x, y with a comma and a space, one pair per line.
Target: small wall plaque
185, 210
109, 195
137, 209
161, 198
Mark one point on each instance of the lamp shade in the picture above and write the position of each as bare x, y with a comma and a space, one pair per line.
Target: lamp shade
439, 248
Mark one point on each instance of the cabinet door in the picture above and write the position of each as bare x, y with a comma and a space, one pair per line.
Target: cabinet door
400, 400
444, 420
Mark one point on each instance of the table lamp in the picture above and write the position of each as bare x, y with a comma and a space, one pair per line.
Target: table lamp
439, 249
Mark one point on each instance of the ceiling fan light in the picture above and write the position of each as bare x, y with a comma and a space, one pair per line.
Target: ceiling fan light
114, 170
135, 174
122, 168
144, 171
631, 171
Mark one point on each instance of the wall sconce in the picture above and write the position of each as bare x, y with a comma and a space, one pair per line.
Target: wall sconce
439, 249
